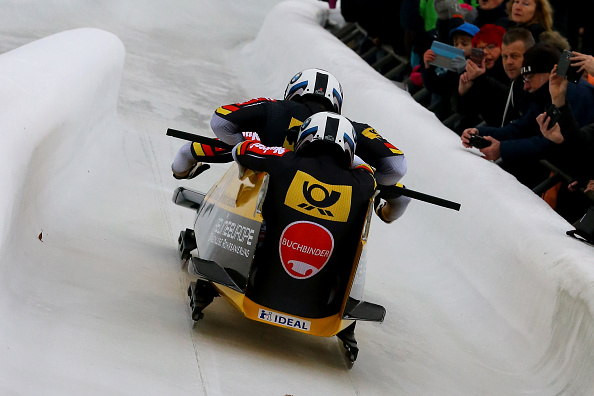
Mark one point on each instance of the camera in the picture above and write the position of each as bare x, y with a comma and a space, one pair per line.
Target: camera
477, 55
565, 70
554, 113
478, 141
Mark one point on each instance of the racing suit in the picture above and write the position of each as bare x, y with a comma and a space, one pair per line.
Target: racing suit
314, 211
273, 122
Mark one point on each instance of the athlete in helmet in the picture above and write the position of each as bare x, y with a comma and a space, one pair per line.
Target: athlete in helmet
314, 186
273, 122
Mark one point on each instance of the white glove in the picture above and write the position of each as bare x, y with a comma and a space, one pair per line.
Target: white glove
459, 64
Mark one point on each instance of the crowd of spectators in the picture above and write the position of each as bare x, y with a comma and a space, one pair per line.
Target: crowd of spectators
500, 80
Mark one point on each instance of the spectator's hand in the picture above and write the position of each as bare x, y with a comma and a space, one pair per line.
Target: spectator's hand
474, 70
466, 136
459, 64
464, 84
557, 88
585, 62
590, 190
493, 152
554, 133
428, 57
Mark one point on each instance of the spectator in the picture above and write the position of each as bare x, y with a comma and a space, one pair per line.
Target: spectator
555, 39
534, 15
471, 98
520, 143
492, 12
575, 144
515, 43
443, 83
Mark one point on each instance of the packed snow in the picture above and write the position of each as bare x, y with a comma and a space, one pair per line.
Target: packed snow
492, 300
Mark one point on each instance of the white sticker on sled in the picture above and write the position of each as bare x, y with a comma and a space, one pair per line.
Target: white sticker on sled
284, 320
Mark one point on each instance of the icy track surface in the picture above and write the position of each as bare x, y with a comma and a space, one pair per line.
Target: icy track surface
491, 300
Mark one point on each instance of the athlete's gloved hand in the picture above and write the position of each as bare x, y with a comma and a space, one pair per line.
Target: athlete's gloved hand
378, 205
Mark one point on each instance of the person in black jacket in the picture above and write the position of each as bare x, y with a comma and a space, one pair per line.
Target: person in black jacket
575, 143
271, 121
315, 208
475, 85
534, 15
521, 142
443, 83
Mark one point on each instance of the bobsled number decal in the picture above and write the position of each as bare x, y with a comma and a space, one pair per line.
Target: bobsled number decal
283, 320
305, 248
324, 201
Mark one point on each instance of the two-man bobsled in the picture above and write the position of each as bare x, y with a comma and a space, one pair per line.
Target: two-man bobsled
225, 240
302, 283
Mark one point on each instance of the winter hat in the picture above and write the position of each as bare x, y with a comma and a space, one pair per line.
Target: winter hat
489, 34
466, 28
540, 59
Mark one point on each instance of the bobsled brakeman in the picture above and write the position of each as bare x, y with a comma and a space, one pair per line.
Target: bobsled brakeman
293, 288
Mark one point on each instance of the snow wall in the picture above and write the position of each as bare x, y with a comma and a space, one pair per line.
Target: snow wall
509, 247
70, 79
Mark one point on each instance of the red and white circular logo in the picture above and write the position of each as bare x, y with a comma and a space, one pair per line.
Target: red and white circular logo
305, 248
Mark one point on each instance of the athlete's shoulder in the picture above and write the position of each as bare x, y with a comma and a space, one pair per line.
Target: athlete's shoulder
230, 108
365, 168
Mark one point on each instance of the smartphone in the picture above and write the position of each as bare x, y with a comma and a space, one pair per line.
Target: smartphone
478, 141
565, 70
554, 113
477, 55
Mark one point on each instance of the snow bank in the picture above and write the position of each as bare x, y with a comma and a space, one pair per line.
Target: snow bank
54, 88
509, 247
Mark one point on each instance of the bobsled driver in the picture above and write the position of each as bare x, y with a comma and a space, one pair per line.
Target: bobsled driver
273, 122
321, 173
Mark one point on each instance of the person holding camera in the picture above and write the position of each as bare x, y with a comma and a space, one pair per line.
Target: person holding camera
484, 74
521, 144
442, 83
577, 144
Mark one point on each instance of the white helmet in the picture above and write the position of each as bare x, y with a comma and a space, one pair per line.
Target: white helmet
315, 83
330, 128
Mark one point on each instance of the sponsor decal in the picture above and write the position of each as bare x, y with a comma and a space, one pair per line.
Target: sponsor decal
295, 78
252, 136
371, 133
305, 248
259, 148
308, 195
283, 320
232, 237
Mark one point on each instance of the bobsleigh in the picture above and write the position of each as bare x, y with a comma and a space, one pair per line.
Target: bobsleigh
222, 250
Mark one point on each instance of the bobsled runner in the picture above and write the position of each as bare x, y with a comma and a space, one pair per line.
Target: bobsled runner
283, 291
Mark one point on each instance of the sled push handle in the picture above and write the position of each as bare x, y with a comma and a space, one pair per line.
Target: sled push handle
385, 191
192, 137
